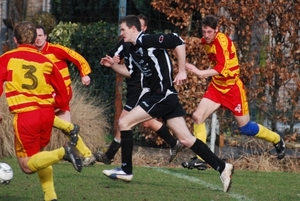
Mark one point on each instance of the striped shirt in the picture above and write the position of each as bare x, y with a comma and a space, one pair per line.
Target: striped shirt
59, 55
30, 80
150, 57
223, 58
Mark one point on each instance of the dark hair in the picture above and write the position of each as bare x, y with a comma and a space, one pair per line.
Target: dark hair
143, 17
25, 32
210, 21
39, 26
131, 20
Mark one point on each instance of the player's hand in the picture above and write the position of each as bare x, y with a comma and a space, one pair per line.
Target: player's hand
180, 78
191, 68
86, 80
107, 61
117, 59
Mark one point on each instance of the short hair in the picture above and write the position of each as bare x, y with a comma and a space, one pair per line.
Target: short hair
143, 17
131, 20
39, 26
210, 21
25, 32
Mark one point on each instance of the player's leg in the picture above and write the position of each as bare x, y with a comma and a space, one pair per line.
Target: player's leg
205, 108
87, 154
133, 96
69, 129
134, 117
46, 180
250, 128
163, 131
182, 133
33, 131
239, 108
113, 148
197, 162
29, 127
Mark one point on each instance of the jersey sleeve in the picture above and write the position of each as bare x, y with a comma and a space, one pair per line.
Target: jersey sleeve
64, 53
118, 49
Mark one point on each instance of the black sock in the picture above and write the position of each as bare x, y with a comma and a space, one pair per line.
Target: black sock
126, 151
113, 149
165, 134
208, 156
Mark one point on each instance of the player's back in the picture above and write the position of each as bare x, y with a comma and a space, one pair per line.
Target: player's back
27, 79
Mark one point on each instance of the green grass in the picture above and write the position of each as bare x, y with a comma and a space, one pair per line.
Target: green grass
152, 184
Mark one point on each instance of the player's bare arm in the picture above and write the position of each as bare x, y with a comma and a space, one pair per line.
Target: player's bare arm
181, 75
118, 68
201, 73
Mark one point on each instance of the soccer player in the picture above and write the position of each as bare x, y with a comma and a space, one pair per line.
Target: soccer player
135, 94
226, 88
148, 55
59, 55
30, 79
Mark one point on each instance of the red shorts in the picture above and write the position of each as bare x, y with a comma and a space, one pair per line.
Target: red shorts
32, 131
235, 99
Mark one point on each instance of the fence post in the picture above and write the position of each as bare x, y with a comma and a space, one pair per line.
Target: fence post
214, 122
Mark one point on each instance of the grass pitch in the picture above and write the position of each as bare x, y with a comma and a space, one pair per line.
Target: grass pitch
152, 184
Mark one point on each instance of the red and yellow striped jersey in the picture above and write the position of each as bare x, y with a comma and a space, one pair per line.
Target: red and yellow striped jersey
59, 55
30, 80
222, 55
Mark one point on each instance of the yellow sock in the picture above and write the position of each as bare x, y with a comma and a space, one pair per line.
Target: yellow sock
46, 180
267, 135
200, 133
82, 148
62, 124
44, 159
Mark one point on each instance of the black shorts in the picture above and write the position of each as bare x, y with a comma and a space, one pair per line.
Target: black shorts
163, 105
134, 96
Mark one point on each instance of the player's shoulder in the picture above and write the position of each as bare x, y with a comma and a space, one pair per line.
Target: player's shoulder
58, 48
55, 45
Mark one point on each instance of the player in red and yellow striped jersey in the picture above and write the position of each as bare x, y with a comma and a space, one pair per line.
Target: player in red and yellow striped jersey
60, 55
30, 80
226, 88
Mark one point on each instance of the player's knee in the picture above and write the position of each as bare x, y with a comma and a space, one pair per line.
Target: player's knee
197, 118
250, 129
120, 124
26, 169
186, 140
123, 125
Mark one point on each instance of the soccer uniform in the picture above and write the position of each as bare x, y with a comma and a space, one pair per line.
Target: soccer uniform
59, 55
29, 87
135, 88
227, 87
150, 57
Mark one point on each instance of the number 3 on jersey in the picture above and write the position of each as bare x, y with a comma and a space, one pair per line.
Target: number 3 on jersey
29, 75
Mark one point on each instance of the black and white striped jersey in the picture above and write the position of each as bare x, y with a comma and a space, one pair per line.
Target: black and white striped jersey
150, 57
135, 80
